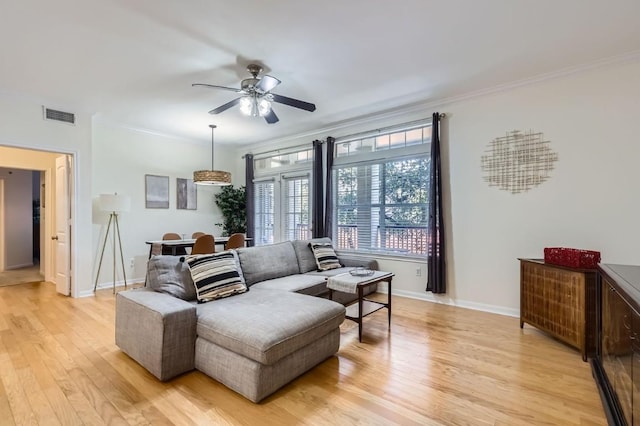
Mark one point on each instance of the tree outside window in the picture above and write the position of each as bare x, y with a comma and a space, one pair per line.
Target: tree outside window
383, 206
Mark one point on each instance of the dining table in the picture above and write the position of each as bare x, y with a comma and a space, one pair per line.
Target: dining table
184, 243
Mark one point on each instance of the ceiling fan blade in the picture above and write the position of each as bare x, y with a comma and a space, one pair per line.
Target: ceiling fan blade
271, 118
213, 86
267, 83
225, 107
293, 102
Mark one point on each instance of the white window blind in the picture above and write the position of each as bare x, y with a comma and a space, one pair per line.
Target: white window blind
264, 212
296, 208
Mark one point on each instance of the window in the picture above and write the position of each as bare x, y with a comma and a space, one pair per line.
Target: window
406, 136
283, 160
381, 201
282, 197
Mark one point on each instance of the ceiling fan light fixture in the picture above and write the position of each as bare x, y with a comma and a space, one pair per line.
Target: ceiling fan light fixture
254, 106
264, 107
256, 96
212, 177
246, 105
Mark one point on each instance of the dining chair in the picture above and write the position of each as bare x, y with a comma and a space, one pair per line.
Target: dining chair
180, 251
205, 244
195, 235
235, 241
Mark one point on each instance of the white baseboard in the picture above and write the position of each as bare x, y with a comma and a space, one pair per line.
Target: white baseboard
22, 265
427, 297
444, 299
119, 286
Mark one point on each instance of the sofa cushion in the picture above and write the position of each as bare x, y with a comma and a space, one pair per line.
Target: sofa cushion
262, 263
326, 257
167, 274
267, 325
306, 259
215, 275
311, 285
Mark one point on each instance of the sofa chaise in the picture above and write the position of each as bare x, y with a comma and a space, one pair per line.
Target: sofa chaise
254, 342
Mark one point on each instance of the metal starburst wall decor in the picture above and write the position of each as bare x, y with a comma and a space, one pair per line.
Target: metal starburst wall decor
518, 161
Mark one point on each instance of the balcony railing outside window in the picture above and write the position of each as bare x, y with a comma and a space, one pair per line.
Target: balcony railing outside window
397, 239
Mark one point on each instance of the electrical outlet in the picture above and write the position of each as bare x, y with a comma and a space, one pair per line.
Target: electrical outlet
418, 271
132, 262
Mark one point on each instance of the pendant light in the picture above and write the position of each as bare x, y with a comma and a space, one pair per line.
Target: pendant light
212, 177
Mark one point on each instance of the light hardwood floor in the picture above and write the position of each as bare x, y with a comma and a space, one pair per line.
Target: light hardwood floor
438, 365
22, 275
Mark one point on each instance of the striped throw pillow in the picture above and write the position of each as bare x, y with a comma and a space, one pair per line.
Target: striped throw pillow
215, 275
326, 257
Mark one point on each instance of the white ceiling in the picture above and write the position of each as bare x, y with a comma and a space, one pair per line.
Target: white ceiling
133, 62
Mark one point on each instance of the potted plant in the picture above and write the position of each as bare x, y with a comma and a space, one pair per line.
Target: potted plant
232, 204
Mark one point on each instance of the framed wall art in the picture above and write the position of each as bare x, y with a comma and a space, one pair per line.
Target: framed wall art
156, 189
187, 194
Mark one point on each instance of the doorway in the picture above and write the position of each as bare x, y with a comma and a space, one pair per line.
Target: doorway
39, 243
21, 231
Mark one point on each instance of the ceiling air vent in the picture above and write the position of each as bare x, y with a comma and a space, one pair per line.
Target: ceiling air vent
65, 117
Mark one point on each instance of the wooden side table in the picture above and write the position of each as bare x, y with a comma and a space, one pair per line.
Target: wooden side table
560, 301
363, 306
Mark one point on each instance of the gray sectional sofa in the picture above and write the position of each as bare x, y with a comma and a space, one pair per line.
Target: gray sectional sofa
254, 342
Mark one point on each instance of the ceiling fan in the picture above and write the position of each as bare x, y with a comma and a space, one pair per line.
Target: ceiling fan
256, 96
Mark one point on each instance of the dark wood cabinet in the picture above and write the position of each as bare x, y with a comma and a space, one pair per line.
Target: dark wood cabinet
560, 301
616, 366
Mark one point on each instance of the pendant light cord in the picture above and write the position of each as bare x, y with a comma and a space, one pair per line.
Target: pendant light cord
213, 126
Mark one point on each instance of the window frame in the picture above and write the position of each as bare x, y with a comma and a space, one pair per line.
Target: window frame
413, 151
280, 176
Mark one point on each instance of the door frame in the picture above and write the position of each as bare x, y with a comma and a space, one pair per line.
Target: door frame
49, 226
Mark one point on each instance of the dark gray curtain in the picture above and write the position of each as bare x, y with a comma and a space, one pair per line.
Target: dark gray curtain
317, 192
328, 204
250, 202
436, 265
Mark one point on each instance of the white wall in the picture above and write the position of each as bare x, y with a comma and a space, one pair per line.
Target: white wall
591, 119
590, 201
121, 158
22, 126
18, 235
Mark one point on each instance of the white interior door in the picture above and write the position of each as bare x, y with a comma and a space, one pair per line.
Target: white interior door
61, 238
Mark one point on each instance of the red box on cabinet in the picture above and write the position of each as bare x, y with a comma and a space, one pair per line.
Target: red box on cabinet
572, 258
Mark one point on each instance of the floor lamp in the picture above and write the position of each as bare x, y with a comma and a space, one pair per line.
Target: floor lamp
113, 203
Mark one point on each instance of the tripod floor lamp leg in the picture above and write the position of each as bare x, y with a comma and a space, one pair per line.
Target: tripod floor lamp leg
124, 274
106, 236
